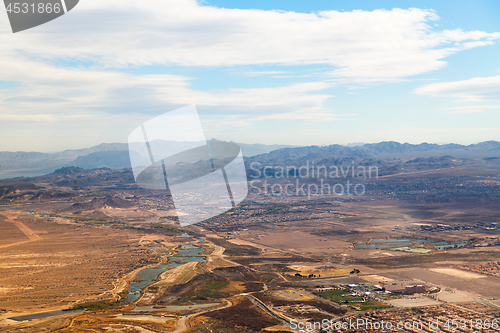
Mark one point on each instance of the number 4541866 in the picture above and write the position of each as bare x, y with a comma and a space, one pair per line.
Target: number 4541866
40, 8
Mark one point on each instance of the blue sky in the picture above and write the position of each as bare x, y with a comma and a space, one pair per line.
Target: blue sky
464, 14
288, 72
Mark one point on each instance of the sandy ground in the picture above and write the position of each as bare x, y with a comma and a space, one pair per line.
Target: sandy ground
30, 234
146, 318
304, 267
266, 250
412, 301
59, 264
7, 322
377, 279
455, 296
120, 328
374, 253
458, 273
450, 278
280, 328
294, 295
216, 258
183, 323
297, 241
178, 275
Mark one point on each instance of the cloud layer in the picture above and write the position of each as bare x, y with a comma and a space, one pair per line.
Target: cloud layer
360, 44
471, 90
83, 66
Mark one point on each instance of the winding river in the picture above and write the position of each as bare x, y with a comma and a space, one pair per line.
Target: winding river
186, 253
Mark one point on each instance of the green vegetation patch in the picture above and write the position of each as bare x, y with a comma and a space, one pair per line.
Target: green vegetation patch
216, 285
336, 296
369, 305
95, 305
212, 286
207, 290
354, 302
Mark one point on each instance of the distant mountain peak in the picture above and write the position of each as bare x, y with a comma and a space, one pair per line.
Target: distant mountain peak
68, 170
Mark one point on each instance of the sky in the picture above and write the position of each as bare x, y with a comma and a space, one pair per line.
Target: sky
271, 72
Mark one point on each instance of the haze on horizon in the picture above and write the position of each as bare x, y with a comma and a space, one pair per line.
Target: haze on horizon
263, 145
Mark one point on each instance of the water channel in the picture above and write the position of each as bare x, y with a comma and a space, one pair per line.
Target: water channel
186, 253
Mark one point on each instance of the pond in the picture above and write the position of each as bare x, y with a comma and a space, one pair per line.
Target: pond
186, 253
401, 244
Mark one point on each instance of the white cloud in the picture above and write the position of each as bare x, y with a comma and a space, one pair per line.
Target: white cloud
106, 38
471, 109
317, 114
56, 88
258, 73
471, 90
362, 45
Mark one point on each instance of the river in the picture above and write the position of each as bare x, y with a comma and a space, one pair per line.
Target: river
186, 253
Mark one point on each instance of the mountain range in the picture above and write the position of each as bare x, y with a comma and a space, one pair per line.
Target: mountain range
115, 156
105, 155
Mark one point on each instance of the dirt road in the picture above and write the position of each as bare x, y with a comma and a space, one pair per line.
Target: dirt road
182, 323
32, 236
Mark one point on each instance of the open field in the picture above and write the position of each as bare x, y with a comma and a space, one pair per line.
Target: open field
317, 271
299, 304
455, 296
358, 303
14, 232
106, 232
413, 301
377, 279
234, 319
110, 322
212, 286
178, 275
340, 296
295, 295
486, 286
458, 273
63, 263
298, 242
